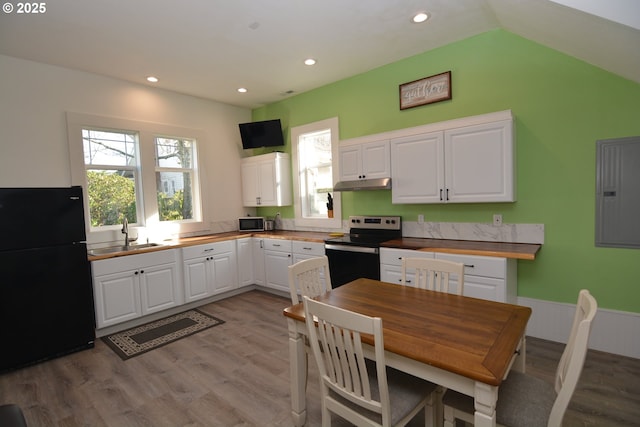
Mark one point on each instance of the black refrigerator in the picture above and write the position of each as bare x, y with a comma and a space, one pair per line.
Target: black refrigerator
46, 294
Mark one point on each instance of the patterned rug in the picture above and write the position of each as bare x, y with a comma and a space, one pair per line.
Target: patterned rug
147, 337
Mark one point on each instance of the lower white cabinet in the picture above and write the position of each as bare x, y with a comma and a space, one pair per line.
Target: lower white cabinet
258, 261
244, 248
277, 259
490, 278
136, 285
391, 263
209, 269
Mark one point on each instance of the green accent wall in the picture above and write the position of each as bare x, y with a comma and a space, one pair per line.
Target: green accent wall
561, 105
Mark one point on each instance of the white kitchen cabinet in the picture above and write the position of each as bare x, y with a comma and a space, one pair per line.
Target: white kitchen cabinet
479, 163
464, 164
258, 261
490, 278
417, 168
306, 250
244, 249
266, 180
277, 259
485, 277
133, 286
364, 161
391, 263
209, 269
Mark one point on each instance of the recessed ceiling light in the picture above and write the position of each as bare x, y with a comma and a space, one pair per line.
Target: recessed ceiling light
309, 61
242, 90
420, 17
152, 79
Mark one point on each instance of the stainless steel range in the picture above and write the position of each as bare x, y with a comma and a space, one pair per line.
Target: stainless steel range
358, 254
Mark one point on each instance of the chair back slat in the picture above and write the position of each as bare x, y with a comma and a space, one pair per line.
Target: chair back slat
433, 274
344, 370
309, 277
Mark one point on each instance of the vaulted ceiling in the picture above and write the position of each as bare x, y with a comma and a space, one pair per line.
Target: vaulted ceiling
210, 48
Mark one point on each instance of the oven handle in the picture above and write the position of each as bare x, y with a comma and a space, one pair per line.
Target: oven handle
347, 248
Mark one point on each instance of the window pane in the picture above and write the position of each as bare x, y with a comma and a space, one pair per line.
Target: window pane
174, 153
316, 179
109, 148
175, 195
111, 196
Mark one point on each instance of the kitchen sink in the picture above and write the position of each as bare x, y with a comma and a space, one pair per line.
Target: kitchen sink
121, 248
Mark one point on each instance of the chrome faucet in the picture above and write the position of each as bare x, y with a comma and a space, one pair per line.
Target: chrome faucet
125, 231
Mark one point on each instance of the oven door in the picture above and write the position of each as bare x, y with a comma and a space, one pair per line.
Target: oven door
348, 263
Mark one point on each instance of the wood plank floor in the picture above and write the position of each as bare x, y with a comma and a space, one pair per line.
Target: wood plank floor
237, 374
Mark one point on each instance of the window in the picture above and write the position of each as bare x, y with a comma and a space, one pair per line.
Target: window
175, 177
111, 162
143, 171
314, 146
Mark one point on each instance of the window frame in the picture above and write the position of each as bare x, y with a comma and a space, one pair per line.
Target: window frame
147, 133
323, 223
193, 171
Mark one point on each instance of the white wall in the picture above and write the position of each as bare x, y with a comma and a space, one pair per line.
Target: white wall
34, 99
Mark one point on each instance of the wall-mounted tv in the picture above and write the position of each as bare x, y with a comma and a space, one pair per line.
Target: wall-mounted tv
267, 133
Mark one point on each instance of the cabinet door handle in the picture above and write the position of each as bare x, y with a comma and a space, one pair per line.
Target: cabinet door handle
469, 265
277, 245
208, 250
441, 194
307, 249
141, 271
135, 272
289, 255
447, 194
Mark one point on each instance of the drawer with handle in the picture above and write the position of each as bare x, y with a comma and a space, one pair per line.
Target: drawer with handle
279, 245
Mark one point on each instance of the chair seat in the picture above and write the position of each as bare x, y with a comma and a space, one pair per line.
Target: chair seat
405, 392
523, 400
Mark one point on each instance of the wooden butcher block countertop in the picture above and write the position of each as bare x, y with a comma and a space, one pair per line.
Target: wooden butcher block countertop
467, 247
306, 236
463, 247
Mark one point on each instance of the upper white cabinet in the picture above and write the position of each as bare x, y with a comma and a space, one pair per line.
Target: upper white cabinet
364, 161
266, 180
467, 160
418, 168
479, 163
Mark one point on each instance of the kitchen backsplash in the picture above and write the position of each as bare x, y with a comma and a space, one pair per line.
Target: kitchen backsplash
513, 233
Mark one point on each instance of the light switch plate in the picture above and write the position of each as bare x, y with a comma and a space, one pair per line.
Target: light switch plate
497, 219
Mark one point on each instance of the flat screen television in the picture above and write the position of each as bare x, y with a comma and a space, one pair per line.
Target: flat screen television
266, 133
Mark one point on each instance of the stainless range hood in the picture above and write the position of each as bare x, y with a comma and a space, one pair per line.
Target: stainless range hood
364, 184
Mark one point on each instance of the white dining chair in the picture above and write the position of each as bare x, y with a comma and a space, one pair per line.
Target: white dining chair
309, 277
432, 274
524, 400
364, 392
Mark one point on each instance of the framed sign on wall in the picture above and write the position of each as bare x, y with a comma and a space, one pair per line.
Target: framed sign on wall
426, 90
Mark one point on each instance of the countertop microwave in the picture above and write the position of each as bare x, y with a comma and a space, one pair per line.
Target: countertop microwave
251, 223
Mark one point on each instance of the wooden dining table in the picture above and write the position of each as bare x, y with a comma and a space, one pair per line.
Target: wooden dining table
461, 343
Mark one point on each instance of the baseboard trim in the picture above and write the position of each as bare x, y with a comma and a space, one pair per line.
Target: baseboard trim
612, 331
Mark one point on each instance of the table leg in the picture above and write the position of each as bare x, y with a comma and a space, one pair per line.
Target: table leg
520, 362
298, 374
485, 397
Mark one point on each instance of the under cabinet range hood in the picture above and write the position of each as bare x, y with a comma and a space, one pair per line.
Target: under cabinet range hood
364, 184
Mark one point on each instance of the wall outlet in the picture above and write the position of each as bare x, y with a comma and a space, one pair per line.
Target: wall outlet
497, 219
420, 219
